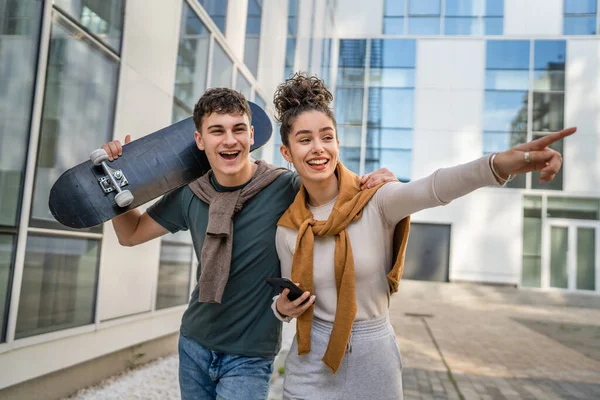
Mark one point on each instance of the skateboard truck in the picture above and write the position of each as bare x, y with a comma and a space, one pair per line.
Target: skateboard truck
113, 180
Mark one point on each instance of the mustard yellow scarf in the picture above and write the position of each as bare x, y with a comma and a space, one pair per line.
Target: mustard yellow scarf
346, 209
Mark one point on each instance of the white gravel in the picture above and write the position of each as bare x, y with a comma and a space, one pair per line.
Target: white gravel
158, 379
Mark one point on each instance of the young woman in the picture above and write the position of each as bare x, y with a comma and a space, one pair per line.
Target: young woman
337, 243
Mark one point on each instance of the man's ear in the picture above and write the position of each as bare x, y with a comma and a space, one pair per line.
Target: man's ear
198, 139
251, 135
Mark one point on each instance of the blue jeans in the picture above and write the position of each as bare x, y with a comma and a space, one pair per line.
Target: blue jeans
206, 374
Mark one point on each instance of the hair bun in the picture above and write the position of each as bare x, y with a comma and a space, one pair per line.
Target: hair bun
301, 92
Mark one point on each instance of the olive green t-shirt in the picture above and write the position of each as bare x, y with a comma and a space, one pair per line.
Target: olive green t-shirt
243, 323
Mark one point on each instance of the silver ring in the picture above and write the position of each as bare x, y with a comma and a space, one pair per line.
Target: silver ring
527, 157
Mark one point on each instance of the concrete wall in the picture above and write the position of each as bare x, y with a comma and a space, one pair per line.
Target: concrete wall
449, 96
522, 18
582, 106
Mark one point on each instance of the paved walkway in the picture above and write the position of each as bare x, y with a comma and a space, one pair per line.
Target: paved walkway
466, 341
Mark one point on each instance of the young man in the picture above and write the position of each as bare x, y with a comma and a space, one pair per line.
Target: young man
229, 336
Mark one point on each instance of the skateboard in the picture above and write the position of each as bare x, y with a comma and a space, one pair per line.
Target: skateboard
98, 190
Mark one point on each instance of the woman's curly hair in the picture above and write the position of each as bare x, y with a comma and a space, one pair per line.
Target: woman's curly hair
298, 94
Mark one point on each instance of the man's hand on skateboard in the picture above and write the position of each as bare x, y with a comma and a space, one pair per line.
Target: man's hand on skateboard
114, 148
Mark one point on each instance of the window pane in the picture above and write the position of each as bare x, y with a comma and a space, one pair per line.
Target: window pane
461, 8
252, 43
174, 274
192, 58
393, 25
6, 256
573, 208
351, 77
549, 80
290, 52
59, 285
580, 25
548, 112
251, 49
353, 53
260, 101
394, 7
392, 77
493, 25
424, 7
550, 55
243, 86
391, 108
78, 111
532, 253
559, 245
217, 9
557, 182
505, 111
586, 254
462, 26
501, 141
19, 39
507, 54
326, 61
390, 138
507, 79
350, 156
397, 161
348, 106
349, 136
580, 6
103, 18
222, 68
494, 7
424, 26
180, 113
399, 53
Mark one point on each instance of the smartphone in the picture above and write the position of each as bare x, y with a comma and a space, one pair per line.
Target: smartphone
283, 283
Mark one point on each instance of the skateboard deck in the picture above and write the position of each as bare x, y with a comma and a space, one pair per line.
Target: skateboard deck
84, 196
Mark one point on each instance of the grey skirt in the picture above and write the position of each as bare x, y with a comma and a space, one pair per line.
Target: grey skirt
371, 369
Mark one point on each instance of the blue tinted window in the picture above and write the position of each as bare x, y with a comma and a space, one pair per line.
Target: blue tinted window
389, 138
391, 107
579, 25
580, 6
353, 53
394, 8
493, 25
393, 53
393, 25
351, 77
350, 156
461, 8
548, 112
507, 54
505, 111
424, 7
349, 136
550, 54
424, 26
462, 26
392, 77
494, 8
217, 9
348, 106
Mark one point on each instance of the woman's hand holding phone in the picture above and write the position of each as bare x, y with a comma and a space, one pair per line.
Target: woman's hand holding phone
294, 308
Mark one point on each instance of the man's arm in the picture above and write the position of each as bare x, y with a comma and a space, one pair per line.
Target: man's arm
133, 228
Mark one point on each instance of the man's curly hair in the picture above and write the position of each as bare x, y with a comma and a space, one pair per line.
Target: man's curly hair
220, 101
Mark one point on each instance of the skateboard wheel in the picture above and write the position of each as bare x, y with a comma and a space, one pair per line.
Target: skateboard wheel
124, 198
98, 156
